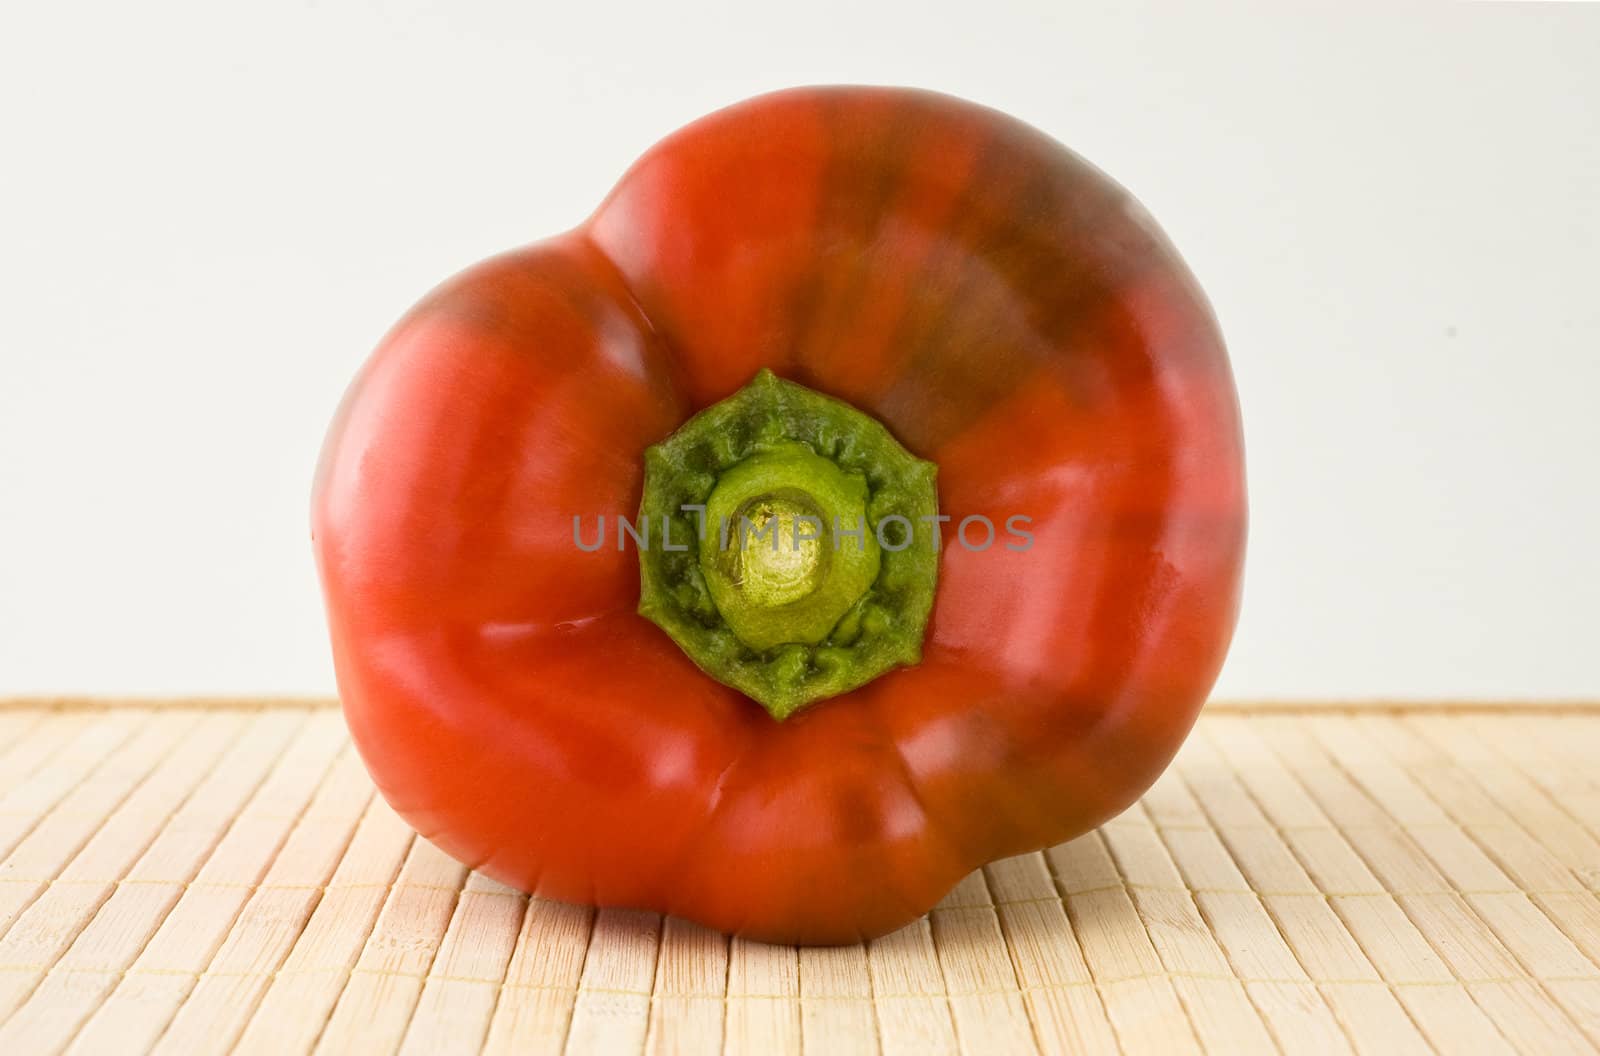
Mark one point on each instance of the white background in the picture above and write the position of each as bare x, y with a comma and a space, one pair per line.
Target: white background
208, 217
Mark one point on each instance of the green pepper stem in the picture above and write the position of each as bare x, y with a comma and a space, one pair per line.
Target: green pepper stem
774, 570
787, 594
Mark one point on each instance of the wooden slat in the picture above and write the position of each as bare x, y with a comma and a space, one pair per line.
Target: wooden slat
985, 995
691, 972
28, 739
38, 857
541, 987
1523, 1008
97, 956
153, 988
1139, 996
29, 801
1322, 948
1219, 1007
763, 998
913, 1011
1573, 838
303, 992
612, 1012
382, 991
70, 900
465, 979
272, 921
1391, 879
1057, 986
836, 1010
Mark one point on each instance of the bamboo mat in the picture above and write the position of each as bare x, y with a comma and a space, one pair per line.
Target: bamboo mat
187, 879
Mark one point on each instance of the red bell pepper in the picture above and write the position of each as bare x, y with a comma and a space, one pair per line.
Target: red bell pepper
960, 319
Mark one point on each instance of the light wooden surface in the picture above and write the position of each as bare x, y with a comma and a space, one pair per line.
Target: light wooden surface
193, 879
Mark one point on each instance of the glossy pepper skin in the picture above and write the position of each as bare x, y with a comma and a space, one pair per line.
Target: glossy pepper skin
1002, 307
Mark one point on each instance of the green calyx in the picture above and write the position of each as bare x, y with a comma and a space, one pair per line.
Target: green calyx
810, 559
